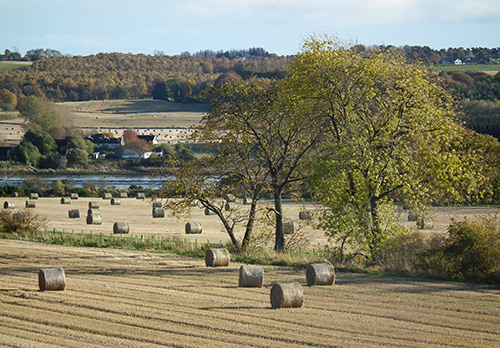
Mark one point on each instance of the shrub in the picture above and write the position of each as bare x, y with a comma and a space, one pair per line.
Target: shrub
402, 252
470, 252
21, 222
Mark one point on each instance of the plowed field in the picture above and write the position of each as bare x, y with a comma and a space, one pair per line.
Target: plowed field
120, 298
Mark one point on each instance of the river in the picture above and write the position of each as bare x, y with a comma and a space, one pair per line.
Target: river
80, 180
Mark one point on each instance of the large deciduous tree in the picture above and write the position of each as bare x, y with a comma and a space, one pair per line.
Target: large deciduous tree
268, 132
392, 135
133, 142
40, 112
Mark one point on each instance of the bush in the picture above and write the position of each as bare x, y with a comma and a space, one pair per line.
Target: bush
21, 222
402, 252
471, 252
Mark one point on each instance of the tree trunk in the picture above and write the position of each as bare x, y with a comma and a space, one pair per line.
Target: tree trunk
375, 230
249, 228
229, 228
279, 244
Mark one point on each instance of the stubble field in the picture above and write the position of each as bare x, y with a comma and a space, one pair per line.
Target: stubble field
138, 213
117, 298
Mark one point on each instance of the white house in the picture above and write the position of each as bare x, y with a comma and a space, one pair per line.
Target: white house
131, 154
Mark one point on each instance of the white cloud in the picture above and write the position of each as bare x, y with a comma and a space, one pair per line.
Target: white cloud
346, 11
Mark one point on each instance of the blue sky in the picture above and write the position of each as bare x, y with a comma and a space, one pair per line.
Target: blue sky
84, 27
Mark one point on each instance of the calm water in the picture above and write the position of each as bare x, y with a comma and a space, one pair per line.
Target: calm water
119, 181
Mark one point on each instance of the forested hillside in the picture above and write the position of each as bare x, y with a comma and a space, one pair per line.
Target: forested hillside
183, 77
119, 76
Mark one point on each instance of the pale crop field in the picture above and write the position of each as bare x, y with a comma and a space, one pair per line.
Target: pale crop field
135, 113
117, 298
170, 122
138, 214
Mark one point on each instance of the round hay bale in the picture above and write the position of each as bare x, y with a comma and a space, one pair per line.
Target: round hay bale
412, 215
193, 228
288, 227
305, 215
65, 200
158, 213
157, 205
217, 257
230, 206
106, 195
123, 195
121, 227
115, 201
9, 205
425, 223
51, 279
229, 197
14, 194
74, 213
320, 274
73, 195
141, 195
30, 204
94, 220
194, 203
33, 195
287, 295
93, 205
94, 212
209, 212
251, 276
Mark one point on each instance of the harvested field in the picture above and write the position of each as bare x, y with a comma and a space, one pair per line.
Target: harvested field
138, 213
117, 298
170, 122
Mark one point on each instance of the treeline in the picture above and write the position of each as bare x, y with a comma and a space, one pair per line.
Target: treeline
31, 55
121, 76
478, 95
183, 77
233, 54
429, 56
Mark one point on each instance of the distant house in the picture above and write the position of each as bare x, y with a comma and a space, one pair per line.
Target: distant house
103, 141
98, 155
458, 62
131, 154
153, 139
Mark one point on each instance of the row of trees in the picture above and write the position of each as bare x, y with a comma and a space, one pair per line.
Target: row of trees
358, 129
31, 55
430, 56
118, 76
39, 149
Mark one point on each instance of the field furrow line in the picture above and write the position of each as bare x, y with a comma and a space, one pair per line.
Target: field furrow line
53, 317
297, 327
428, 326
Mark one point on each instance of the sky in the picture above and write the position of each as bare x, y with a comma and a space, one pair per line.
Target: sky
85, 27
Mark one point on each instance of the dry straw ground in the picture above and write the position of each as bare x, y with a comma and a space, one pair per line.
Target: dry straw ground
117, 298
139, 215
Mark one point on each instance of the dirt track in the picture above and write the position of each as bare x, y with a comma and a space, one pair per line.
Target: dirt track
120, 298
